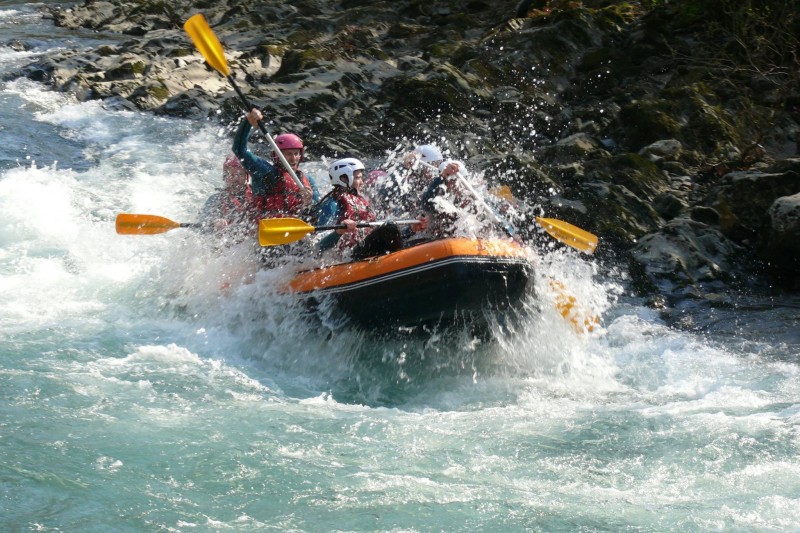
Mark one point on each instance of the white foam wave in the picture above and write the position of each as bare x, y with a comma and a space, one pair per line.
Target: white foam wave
9, 13
9, 56
42, 97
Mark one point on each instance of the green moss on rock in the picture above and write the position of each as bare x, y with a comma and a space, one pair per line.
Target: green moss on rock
295, 61
153, 7
444, 50
126, 71
635, 173
377, 53
708, 125
180, 52
302, 37
402, 30
159, 91
137, 67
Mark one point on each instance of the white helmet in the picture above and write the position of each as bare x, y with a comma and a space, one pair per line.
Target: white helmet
341, 171
429, 153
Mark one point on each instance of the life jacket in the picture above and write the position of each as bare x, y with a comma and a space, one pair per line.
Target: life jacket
236, 209
355, 207
285, 199
442, 223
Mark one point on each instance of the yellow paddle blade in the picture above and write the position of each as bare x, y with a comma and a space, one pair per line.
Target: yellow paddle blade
568, 234
274, 231
130, 224
207, 43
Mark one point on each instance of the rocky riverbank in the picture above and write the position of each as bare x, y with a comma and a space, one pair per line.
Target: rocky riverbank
651, 127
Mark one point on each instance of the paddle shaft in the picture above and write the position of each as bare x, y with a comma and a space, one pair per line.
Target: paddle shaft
483, 204
275, 231
366, 224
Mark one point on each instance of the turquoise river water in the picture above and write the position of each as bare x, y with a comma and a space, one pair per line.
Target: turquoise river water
136, 395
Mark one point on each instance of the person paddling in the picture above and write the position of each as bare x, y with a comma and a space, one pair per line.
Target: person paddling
402, 189
446, 200
345, 205
275, 193
231, 206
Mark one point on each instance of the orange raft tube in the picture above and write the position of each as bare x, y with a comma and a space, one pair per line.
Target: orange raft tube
442, 282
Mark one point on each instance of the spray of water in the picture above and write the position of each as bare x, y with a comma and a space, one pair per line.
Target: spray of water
220, 301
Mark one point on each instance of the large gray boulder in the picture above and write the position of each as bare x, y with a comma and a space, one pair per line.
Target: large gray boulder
783, 244
687, 259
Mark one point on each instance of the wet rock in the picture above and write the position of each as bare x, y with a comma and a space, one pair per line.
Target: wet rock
785, 218
669, 149
686, 258
669, 205
579, 146
706, 215
783, 244
617, 213
743, 199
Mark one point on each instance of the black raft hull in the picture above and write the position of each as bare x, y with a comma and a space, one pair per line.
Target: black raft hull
441, 283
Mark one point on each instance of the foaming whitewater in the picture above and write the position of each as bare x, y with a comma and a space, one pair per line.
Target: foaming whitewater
161, 383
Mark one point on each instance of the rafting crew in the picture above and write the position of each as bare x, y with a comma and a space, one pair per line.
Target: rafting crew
426, 186
274, 192
346, 205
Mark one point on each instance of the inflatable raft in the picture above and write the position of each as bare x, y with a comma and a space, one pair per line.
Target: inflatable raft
454, 280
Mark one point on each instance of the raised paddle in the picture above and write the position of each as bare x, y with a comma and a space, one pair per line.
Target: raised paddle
275, 231
558, 229
209, 46
131, 224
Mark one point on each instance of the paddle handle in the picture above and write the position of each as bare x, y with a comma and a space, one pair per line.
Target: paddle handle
263, 129
366, 224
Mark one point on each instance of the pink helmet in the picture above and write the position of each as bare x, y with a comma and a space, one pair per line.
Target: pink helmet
232, 170
231, 162
288, 141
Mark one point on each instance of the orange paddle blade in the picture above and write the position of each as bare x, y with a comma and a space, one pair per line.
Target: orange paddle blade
131, 224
